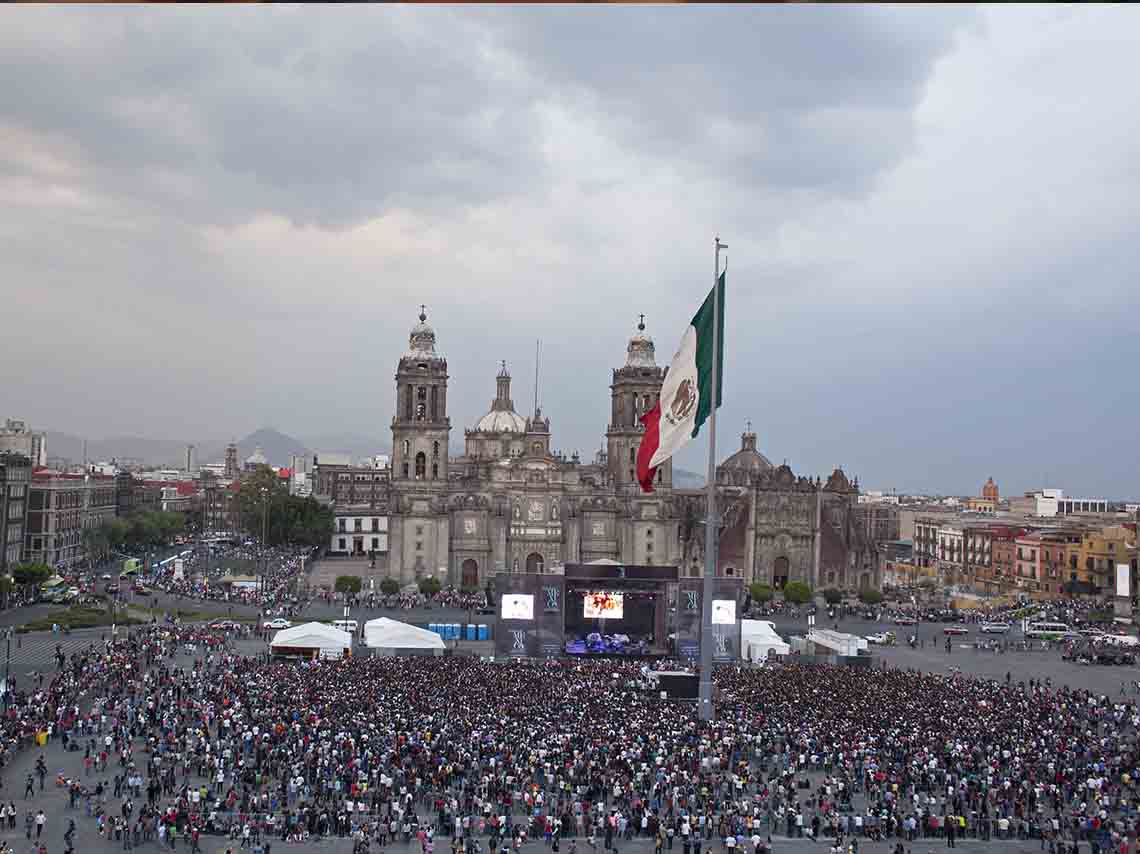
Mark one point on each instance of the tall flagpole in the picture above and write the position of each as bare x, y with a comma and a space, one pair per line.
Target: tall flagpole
711, 522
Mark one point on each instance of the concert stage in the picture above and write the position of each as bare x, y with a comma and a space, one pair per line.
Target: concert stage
612, 611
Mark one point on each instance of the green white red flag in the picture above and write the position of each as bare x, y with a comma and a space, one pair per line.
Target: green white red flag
686, 399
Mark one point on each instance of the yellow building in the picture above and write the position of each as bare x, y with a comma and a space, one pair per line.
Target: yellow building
1092, 561
981, 505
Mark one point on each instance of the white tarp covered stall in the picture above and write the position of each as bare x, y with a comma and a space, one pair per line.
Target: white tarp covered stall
312, 640
758, 638
391, 637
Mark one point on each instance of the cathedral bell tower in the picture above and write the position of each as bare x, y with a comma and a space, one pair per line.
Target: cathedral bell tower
635, 390
420, 427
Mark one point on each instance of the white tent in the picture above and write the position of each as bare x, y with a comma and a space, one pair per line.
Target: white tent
312, 640
391, 637
758, 638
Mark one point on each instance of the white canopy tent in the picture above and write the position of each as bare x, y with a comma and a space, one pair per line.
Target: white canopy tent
758, 638
391, 637
312, 640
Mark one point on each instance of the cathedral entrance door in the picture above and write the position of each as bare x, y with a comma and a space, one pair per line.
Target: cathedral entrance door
534, 562
470, 575
780, 573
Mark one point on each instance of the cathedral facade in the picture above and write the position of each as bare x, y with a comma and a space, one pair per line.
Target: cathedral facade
510, 503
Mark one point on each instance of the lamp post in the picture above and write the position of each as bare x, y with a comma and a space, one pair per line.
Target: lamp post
264, 536
8, 669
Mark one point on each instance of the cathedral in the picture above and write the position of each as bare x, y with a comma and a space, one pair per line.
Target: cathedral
511, 504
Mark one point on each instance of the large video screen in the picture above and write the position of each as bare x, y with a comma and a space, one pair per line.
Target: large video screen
603, 605
517, 606
724, 612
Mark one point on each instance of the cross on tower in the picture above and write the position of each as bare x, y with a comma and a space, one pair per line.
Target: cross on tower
641, 325
423, 312
748, 426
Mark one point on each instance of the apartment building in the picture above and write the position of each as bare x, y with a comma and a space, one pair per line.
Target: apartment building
15, 477
60, 507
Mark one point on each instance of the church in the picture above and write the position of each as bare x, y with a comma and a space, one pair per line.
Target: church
511, 504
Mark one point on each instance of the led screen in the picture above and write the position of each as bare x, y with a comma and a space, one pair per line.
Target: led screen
602, 605
518, 606
724, 612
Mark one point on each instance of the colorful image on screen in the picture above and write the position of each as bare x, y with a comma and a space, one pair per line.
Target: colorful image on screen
724, 612
603, 605
518, 606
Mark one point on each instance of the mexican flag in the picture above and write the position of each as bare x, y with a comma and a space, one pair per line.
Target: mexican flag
687, 393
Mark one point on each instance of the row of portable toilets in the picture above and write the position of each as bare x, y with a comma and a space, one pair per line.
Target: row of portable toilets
457, 631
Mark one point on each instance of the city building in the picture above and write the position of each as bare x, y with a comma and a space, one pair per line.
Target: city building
981, 505
512, 503
255, 460
879, 520
191, 460
60, 507
990, 491
15, 479
230, 470
16, 436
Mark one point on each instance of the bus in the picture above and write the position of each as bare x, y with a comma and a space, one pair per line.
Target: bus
1046, 631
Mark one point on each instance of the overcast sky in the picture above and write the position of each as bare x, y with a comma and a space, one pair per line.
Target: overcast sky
216, 219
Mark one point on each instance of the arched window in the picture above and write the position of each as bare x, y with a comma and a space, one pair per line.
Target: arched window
435, 450
407, 447
408, 402
435, 471
434, 404
645, 403
534, 562
421, 403
536, 447
421, 465
633, 455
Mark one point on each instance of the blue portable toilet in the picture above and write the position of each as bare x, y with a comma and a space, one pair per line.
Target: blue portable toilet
455, 635
471, 632
484, 633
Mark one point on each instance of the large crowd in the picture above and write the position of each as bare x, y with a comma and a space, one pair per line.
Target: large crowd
423, 749
277, 571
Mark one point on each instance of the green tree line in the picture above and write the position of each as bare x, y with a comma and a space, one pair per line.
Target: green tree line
143, 529
264, 499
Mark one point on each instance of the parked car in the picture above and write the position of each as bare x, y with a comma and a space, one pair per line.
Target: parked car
225, 625
905, 621
277, 623
106, 576
994, 628
955, 630
111, 588
881, 638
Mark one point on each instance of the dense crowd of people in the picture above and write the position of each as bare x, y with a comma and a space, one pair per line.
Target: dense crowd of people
277, 571
399, 749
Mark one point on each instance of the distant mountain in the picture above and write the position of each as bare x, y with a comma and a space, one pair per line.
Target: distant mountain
156, 452
687, 480
277, 446
353, 444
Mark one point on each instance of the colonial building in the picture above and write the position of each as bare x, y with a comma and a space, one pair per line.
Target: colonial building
510, 503
15, 478
60, 507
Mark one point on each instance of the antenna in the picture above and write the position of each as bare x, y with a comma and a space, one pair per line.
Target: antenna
536, 343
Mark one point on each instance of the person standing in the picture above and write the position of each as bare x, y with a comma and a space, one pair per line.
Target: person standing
40, 819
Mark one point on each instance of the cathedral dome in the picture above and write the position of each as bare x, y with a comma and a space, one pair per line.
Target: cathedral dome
640, 351
501, 421
748, 458
502, 418
421, 341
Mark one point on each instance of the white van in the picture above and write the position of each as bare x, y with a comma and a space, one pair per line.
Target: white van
350, 626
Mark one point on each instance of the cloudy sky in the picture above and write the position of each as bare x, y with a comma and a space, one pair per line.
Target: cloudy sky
213, 220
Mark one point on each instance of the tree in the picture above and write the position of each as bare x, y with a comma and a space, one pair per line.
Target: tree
832, 596
429, 585
287, 518
871, 596
797, 592
760, 592
347, 584
389, 586
31, 573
